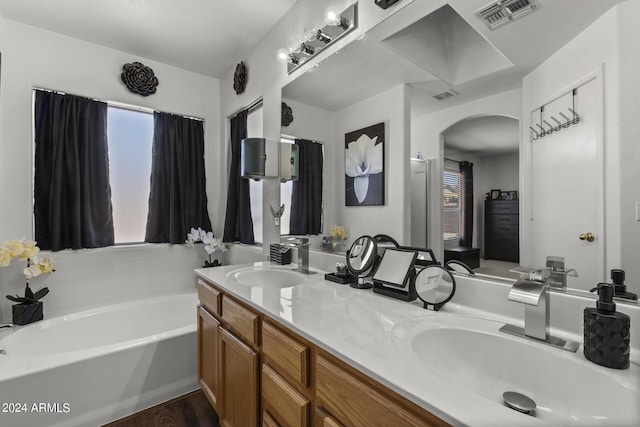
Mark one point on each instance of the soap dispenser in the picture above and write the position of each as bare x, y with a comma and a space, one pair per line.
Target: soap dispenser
617, 277
606, 332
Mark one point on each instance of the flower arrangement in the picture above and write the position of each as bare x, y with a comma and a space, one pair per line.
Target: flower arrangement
26, 250
339, 232
211, 244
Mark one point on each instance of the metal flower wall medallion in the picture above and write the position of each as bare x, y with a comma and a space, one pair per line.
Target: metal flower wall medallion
139, 78
240, 78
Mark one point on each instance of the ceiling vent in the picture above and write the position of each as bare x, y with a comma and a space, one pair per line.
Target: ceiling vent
448, 93
502, 12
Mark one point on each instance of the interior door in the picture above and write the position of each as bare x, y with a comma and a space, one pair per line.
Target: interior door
567, 185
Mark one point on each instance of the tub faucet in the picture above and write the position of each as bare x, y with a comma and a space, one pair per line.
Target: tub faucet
302, 244
533, 292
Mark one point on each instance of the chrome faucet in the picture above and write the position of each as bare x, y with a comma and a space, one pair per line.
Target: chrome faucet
533, 292
302, 244
558, 275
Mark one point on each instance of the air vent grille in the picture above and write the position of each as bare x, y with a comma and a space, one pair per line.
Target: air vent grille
502, 12
445, 94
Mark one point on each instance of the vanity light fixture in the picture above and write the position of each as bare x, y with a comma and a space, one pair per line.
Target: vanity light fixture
333, 17
283, 56
314, 39
307, 49
323, 37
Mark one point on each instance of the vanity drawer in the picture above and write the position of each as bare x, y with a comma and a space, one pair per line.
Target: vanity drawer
347, 396
210, 298
507, 240
288, 355
242, 321
283, 402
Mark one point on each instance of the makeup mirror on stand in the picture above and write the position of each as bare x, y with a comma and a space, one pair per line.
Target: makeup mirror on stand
361, 259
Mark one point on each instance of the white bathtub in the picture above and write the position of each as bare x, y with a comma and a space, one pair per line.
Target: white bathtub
96, 366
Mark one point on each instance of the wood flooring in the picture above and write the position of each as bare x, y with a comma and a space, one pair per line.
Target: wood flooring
190, 410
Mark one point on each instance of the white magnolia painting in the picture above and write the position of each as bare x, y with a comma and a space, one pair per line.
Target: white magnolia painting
364, 166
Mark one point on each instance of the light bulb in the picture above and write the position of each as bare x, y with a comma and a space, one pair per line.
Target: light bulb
294, 44
310, 34
282, 55
332, 16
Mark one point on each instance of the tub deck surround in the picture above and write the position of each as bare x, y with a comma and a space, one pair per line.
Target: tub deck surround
370, 332
106, 363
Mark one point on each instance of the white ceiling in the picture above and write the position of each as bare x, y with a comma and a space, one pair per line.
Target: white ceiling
204, 36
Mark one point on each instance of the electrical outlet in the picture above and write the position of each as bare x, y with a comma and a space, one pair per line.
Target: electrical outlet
276, 221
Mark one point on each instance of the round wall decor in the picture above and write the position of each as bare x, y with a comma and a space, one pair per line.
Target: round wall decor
240, 78
287, 115
139, 78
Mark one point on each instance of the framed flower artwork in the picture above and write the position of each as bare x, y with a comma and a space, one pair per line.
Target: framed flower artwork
364, 166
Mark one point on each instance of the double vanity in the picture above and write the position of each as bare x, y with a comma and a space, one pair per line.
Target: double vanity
281, 348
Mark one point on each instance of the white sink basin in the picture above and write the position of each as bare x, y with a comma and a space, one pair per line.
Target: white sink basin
265, 277
568, 389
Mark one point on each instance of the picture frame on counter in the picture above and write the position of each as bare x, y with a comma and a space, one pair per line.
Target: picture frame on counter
495, 194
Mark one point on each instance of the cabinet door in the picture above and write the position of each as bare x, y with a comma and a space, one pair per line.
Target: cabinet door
209, 356
238, 382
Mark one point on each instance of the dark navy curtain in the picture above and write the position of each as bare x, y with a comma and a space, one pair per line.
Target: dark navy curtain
238, 224
72, 194
306, 196
177, 198
466, 204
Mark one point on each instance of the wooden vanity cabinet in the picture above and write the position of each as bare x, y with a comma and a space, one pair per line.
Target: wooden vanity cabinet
228, 357
254, 370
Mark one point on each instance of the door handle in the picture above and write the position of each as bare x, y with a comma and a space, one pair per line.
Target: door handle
589, 237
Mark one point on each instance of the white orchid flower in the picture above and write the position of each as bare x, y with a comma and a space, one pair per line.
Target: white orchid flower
207, 238
363, 158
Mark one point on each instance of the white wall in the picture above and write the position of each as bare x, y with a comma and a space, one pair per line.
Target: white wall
392, 109
426, 137
611, 42
36, 58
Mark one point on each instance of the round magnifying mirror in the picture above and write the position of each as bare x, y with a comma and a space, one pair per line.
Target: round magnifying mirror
458, 267
361, 258
435, 286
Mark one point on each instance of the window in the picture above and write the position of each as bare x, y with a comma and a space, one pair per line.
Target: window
451, 201
101, 177
254, 130
130, 136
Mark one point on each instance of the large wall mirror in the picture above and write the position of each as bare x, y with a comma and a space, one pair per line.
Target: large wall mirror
445, 87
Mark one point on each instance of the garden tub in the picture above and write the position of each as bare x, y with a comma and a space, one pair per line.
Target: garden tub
99, 365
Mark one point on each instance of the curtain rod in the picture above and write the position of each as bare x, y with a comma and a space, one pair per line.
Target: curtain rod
122, 105
451, 160
255, 104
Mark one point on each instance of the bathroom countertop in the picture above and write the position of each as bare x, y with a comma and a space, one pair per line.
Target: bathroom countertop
365, 330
